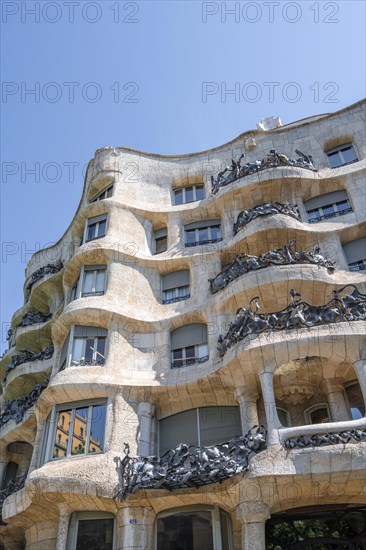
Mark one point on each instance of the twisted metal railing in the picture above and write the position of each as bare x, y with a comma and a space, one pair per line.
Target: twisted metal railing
188, 465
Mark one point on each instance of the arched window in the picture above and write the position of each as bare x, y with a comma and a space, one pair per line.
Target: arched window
355, 400
317, 414
194, 528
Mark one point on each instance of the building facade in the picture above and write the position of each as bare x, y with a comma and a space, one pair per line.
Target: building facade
188, 368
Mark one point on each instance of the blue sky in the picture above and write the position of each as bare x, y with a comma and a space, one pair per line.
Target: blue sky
136, 74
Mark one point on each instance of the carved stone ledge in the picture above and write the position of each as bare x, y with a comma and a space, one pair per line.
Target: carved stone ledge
298, 314
16, 409
280, 256
42, 272
188, 466
272, 160
28, 355
267, 209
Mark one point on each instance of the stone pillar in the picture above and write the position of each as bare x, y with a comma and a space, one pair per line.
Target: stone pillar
247, 397
135, 528
273, 422
333, 388
145, 413
360, 368
253, 517
63, 526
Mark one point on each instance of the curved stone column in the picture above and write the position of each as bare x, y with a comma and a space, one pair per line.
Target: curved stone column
135, 528
333, 388
273, 422
247, 398
145, 413
252, 517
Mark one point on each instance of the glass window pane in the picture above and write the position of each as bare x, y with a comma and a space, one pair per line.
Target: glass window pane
200, 192
202, 350
183, 291
101, 228
225, 530
89, 346
319, 416
215, 232
219, 424
99, 286
95, 534
349, 155
328, 209
100, 356
62, 433
355, 400
342, 205
169, 294
334, 159
161, 245
178, 196
283, 417
177, 356
176, 429
191, 236
186, 531
314, 214
189, 194
97, 430
79, 434
88, 281
91, 232
203, 234
190, 352
77, 352
109, 192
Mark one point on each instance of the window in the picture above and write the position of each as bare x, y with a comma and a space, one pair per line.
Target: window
189, 345
95, 228
201, 427
284, 417
10, 474
204, 232
91, 530
160, 241
355, 252
81, 433
327, 206
189, 194
355, 400
317, 414
342, 155
105, 194
89, 346
93, 279
175, 286
194, 528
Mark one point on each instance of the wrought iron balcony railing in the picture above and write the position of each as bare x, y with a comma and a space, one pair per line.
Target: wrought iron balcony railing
43, 271
206, 241
178, 363
17, 408
14, 485
28, 355
267, 209
298, 314
331, 215
176, 299
189, 465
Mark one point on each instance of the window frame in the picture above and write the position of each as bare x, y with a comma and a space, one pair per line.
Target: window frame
176, 297
104, 191
321, 210
194, 187
287, 414
49, 435
347, 385
76, 517
215, 522
339, 149
70, 348
79, 287
196, 230
103, 218
160, 235
313, 408
189, 361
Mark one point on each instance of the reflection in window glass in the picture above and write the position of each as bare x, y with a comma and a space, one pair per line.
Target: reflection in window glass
79, 440
97, 429
95, 534
189, 194
185, 530
62, 433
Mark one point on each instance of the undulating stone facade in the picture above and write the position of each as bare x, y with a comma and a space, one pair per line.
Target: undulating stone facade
188, 368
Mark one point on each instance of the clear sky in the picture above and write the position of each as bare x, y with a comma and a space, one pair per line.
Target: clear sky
153, 76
